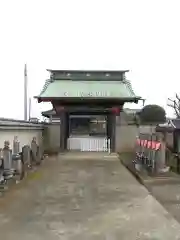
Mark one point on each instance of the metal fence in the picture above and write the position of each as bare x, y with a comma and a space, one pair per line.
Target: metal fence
89, 144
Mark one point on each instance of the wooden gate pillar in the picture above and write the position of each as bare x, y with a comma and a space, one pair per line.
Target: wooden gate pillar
111, 130
64, 131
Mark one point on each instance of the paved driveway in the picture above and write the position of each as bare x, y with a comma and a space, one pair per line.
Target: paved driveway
83, 199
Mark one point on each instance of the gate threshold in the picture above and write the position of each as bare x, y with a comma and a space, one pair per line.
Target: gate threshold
77, 155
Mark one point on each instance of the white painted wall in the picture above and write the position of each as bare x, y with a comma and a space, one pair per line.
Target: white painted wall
24, 131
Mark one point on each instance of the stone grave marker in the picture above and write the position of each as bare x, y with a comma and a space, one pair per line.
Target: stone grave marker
26, 156
35, 151
16, 145
7, 161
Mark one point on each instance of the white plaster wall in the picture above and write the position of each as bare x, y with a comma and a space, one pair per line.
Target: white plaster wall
25, 131
126, 137
24, 136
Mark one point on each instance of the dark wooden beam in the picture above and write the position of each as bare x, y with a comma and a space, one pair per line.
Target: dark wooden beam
87, 100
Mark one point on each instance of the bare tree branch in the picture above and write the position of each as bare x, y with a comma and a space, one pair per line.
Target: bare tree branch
169, 99
178, 98
175, 105
170, 105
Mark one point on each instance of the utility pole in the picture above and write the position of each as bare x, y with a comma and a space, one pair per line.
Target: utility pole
29, 109
25, 94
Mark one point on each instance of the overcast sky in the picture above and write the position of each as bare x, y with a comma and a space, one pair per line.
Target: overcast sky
140, 35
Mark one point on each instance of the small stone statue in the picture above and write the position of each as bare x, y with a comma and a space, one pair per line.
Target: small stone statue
6, 144
34, 140
16, 145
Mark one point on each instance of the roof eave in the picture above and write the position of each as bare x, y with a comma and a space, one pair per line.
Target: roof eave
46, 115
49, 99
87, 71
164, 129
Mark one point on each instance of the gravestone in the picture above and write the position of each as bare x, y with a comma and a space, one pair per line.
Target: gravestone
16, 157
35, 151
7, 161
1, 158
1, 177
1, 169
16, 145
26, 156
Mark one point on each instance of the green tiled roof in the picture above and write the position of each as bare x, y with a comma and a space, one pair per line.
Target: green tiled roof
87, 89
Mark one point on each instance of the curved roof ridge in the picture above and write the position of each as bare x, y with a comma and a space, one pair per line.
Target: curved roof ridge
129, 85
46, 84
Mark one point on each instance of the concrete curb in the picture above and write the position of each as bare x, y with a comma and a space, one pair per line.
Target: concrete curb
134, 173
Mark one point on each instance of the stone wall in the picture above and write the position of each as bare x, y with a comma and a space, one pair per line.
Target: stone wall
51, 137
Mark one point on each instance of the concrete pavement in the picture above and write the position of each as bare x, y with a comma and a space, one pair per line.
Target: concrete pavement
71, 198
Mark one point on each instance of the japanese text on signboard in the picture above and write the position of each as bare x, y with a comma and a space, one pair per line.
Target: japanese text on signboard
89, 94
